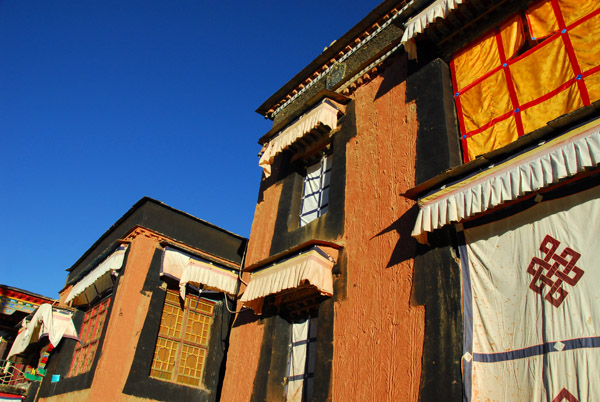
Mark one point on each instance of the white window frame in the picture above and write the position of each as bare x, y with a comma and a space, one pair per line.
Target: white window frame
315, 192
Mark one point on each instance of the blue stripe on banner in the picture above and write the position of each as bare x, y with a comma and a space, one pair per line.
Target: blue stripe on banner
467, 316
571, 344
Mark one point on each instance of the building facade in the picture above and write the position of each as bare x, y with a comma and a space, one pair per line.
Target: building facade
472, 127
425, 230
151, 311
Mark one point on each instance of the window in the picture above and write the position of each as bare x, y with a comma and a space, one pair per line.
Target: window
301, 360
89, 335
182, 343
315, 195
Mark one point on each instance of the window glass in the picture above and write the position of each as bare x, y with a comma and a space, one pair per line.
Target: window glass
182, 343
89, 336
315, 194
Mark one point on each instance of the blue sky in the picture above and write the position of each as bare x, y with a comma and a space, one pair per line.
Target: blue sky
105, 102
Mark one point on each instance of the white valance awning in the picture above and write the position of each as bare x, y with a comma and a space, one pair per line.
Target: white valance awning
418, 23
325, 113
545, 165
53, 322
192, 270
98, 280
312, 267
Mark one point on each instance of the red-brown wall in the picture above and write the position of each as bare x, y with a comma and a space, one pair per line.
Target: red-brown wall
378, 335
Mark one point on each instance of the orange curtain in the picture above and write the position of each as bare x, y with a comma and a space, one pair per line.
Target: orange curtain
501, 95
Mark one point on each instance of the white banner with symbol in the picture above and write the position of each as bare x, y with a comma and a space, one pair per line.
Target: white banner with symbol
532, 303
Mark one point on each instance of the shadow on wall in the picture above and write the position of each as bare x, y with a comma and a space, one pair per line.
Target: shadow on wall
406, 245
395, 74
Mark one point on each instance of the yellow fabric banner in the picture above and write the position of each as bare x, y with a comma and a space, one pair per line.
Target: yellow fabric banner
509, 83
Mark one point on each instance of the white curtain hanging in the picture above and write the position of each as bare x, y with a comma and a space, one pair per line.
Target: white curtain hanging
97, 280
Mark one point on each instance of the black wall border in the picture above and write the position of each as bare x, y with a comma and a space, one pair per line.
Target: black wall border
140, 384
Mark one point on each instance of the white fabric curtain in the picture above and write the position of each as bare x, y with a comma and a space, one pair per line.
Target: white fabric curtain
325, 113
418, 23
188, 269
98, 280
47, 321
531, 304
301, 360
563, 157
311, 267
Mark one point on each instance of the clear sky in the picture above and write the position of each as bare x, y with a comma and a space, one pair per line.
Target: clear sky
103, 102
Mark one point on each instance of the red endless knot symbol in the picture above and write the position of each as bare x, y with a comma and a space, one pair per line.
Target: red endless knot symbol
559, 268
565, 395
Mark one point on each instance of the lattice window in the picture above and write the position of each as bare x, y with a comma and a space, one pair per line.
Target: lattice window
315, 195
530, 70
89, 336
182, 343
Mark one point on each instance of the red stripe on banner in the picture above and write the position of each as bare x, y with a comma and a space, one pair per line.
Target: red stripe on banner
509, 82
591, 71
478, 80
585, 97
549, 94
489, 124
584, 19
535, 48
461, 119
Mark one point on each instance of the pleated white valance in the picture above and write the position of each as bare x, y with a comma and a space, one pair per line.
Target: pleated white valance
98, 280
558, 159
197, 272
325, 113
418, 23
312, 267
53, 322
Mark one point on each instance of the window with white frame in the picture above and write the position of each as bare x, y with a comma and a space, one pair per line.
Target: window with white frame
301, 360
315, 195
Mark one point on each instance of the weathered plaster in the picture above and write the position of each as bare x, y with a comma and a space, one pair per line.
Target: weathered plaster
378, 336
247, 332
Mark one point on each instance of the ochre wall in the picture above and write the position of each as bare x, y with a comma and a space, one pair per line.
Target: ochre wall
129, 311
246, 338
126, 320
378, 336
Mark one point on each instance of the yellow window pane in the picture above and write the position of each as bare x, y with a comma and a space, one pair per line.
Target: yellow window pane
586, 43
573, 10
486, 101
500, 134
172, 297
171, 321
163, 362
542, 20
564, 102
542, 71
197, 328
191, 365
